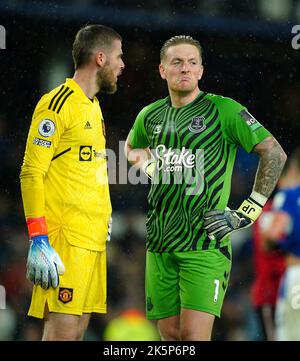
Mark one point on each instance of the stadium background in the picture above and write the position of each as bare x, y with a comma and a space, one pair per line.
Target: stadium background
247, 56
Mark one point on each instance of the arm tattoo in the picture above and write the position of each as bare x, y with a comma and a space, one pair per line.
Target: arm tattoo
272, 160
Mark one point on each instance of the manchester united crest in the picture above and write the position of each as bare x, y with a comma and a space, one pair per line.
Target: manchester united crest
65, 295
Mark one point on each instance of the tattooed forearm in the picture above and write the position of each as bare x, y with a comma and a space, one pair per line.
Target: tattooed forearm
272, 160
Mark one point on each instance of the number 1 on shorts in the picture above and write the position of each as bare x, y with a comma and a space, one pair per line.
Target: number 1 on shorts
217, 283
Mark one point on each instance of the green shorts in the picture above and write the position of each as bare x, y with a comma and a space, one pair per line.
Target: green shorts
194, 280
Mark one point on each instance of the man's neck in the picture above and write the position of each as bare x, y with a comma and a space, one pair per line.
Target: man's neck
87, 82
179, 100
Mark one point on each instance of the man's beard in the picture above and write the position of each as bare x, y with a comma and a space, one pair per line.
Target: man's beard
105, 80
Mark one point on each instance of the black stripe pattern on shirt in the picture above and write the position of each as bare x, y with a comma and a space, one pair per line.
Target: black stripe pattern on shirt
175, 213
60, 98
61, 153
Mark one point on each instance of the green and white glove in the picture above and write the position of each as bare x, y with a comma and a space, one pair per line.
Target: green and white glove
221, 223
149, 168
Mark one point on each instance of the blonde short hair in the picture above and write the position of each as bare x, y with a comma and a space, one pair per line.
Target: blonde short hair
179, 39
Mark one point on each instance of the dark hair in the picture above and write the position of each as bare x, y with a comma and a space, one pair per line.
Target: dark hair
179, 39
90, 38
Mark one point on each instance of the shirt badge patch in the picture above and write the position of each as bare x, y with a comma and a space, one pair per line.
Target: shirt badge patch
157, 129
65, 295
197, 125
250, 120
46, 128
42, 142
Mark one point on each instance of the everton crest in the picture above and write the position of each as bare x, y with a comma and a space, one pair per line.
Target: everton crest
197, 125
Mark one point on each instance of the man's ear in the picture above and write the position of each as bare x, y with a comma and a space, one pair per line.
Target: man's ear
100, 58
201, 72
162, 71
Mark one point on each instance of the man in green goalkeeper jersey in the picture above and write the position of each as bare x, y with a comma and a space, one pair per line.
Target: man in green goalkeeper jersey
193, 137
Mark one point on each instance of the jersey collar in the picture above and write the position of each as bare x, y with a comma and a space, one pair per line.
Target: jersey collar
71, 83
198, 97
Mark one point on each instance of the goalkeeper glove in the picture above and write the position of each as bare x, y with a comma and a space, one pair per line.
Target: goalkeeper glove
220, 224
43, 264
149, 168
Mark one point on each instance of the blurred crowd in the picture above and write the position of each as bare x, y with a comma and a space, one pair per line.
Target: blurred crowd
247, 9
263, 74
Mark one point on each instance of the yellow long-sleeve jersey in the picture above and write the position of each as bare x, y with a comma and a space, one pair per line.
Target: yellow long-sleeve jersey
64, 173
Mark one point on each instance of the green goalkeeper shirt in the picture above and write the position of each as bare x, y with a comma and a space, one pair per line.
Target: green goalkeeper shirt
195, 147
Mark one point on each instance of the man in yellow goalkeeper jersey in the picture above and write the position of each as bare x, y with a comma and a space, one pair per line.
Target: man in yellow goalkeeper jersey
65, 190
